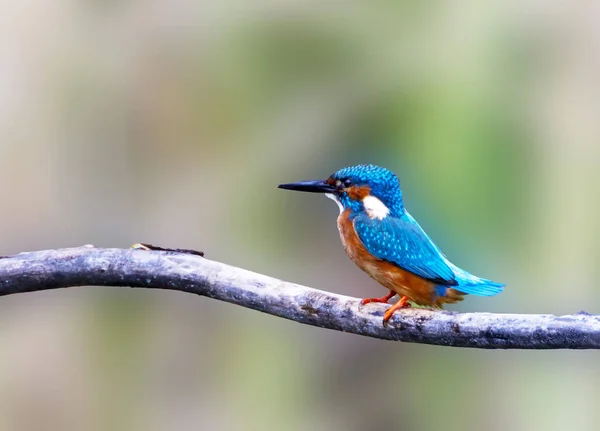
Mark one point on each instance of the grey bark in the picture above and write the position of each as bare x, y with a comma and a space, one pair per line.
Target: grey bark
185, 272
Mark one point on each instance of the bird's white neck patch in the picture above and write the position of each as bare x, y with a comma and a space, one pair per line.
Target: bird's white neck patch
375, 208
336, 200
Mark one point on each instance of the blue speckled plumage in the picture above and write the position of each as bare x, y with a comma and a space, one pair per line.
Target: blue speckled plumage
402, 241
398, 240
385, 241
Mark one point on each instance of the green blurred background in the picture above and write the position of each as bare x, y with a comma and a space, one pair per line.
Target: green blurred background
172, 122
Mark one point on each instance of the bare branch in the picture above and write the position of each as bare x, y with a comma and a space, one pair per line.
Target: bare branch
160, 269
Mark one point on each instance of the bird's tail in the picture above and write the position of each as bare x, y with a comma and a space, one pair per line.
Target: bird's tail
484, 288
472, 285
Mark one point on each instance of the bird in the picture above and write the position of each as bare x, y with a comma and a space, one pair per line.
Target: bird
385, 241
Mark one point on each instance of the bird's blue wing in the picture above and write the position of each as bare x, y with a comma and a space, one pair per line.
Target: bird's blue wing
401, 241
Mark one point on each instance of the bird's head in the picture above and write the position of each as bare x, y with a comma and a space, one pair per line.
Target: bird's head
362, 188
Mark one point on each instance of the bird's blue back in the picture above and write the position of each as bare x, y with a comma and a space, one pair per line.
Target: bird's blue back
401, 241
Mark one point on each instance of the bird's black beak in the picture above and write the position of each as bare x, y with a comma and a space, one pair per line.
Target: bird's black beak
309, 186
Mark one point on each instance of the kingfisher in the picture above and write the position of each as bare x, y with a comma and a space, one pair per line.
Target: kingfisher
387, 243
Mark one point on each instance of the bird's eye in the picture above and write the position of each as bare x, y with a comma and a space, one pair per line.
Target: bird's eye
347, 182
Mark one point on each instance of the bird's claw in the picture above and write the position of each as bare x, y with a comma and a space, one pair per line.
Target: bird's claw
382, 300
402, 303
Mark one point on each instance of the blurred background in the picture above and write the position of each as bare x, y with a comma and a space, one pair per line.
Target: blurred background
172, 122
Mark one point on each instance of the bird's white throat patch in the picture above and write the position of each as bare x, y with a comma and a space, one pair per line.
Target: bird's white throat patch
375, 208
336, 200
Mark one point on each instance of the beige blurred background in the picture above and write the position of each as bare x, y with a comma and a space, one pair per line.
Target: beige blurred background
172, 122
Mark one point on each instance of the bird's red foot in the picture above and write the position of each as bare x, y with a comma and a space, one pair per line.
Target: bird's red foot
400, 304
383, 299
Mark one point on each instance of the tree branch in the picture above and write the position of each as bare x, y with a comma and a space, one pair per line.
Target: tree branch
177, 270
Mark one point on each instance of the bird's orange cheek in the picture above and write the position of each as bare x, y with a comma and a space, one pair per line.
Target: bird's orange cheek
358, 193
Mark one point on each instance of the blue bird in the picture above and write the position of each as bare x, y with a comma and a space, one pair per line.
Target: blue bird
383, 240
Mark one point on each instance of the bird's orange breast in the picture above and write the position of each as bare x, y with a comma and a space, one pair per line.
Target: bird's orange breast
392, 277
